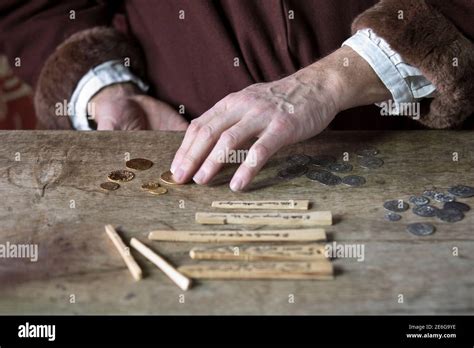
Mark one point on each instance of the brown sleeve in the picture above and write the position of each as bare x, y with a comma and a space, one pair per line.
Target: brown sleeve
72, 60
442, 48
31, 30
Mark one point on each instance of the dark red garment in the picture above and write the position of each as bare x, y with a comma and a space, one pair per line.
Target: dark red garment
191, 61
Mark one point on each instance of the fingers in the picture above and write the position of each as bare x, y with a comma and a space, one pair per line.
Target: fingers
161, 116
277, 135
200, 138
230, 140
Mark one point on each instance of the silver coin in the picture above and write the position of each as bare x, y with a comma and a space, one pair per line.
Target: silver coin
353, 180
340, 167
370, 162
391, 216
443, 197
449, 215
419, 200
457, 205
425, 210
322, 160
298, 159
371, 151
326, 178
429, 193
462, 191
396, 206
314, 174
292, 172
421, 229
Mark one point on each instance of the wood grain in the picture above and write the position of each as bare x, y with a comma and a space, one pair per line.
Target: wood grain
49, 181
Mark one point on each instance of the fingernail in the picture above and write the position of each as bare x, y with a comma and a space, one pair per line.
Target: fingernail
173, 167
179, 175
236, 185
199, 177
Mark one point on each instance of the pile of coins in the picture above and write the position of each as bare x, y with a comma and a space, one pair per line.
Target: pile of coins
321, 168
424, 206
121, 176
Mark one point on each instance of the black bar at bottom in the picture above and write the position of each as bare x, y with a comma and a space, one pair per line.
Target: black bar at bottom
221, 330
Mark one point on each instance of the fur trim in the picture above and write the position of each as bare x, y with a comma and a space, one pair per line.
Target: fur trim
71, 61
427, 40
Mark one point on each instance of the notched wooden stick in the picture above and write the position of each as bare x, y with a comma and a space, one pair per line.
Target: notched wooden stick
229, 236
292, 204
292, 252
322, 270
283, 219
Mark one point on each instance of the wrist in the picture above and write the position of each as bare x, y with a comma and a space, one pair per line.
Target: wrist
350, 81
114, 93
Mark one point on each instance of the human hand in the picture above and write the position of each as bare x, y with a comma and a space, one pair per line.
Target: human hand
278, 113
121, 107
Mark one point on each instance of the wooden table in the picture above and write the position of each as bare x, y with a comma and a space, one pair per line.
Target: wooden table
50, 196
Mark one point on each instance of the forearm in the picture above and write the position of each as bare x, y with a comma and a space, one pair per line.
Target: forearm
346, 79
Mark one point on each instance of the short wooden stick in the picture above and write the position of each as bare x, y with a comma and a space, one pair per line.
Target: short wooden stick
124, 252
179, 279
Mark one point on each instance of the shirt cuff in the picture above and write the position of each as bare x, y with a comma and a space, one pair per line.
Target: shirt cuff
405, 82
106, 74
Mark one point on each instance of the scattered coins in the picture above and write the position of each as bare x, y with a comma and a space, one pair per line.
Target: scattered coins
109, 186
367, 152
370, 162
421, 229
391, 216
324, 177
323, 160
457, 205
462, 191
159, 191
340, 167
353, 180
429, 193
292, 172
449, 215
167, 178
419, 200
121, 175
396, 206
139, 164
425, 210
299, 159
150, 186
443, 197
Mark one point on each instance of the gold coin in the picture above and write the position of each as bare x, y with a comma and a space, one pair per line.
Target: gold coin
109, 186
149, 186
158, 191
121, 175
167, 177
139, 164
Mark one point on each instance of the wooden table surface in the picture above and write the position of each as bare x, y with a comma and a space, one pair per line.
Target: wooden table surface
51, 197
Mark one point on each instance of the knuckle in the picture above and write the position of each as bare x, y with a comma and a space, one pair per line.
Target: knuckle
194, 126
229, 138
281, 125
206, 132
261, 153
188, 158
